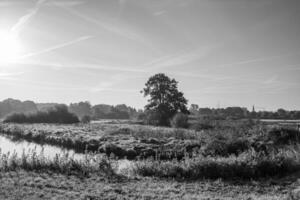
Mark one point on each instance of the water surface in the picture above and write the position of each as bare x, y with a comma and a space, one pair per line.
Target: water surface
49, 151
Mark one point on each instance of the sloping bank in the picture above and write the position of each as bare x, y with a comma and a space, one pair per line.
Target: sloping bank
121, 141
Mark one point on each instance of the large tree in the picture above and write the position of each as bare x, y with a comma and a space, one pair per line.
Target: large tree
165, 99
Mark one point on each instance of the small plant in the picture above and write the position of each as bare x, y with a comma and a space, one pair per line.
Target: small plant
180, 120
86, 119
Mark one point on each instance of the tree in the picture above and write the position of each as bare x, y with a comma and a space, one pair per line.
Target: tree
165, 99
81, 109
194, 109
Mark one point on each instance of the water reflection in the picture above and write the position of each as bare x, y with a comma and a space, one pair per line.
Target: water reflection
7, 145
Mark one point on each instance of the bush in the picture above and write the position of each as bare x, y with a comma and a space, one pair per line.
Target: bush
86, 119
152, 118
284, 136
226, 144
58, 114
180, 120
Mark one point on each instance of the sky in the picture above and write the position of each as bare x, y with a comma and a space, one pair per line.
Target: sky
222, 52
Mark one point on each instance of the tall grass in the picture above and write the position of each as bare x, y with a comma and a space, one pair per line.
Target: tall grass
31, 160
248, 165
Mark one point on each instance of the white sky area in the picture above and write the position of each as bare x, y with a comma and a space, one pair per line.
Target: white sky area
222, 52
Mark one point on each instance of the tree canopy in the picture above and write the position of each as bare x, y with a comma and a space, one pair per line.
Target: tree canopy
165, 99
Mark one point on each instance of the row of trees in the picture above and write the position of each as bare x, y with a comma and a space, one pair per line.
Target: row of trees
242, 113
81, 109
57, 114
102, 111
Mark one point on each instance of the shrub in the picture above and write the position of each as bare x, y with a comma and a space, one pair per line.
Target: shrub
284, 135
180, 120
58, 114
152, 118
221, 144
86, 119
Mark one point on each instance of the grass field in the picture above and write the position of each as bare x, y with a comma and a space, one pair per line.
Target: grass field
250, 162
31, 185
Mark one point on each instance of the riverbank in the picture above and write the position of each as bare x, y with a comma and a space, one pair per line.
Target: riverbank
122, 140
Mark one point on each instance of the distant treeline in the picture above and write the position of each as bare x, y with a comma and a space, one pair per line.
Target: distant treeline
57, 114
81, 109
122, 111
242, 113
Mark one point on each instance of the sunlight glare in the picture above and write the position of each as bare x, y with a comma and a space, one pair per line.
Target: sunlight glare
10, 47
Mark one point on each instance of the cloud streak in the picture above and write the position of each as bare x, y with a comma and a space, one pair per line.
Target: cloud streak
56, 47
68, 3
257, 60
109, 27
26, 18
180, 58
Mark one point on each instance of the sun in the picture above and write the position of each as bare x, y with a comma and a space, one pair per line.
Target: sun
10, 47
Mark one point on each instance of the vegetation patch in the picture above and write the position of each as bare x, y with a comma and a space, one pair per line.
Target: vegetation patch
248, 165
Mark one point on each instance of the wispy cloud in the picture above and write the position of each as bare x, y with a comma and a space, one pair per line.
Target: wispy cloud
56, 47
107, 85
106, 26
158, 13
5, 74
8, 3
86, 66
26, 18
117, 29
65, 3
271, 80
180, 58
255, 60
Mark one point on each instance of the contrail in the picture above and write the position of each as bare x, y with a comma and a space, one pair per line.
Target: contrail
115, 29
81, 66
26, 18
53, 48
257, 60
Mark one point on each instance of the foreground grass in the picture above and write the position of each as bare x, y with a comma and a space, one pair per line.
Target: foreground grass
32, 160
31, 185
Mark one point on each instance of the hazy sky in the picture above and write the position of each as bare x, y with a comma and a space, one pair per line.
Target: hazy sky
226, 52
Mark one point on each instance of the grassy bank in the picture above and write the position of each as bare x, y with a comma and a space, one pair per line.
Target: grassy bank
31, 185
248, 165
34, 177
130, 141
32, 160
138, 141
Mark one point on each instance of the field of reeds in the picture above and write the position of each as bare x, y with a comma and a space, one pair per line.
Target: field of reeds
33, 176
211, 161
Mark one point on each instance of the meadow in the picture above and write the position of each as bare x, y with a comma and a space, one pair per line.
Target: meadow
231, 161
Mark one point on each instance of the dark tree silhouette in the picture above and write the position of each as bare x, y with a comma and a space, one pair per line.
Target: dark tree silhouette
165, 99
